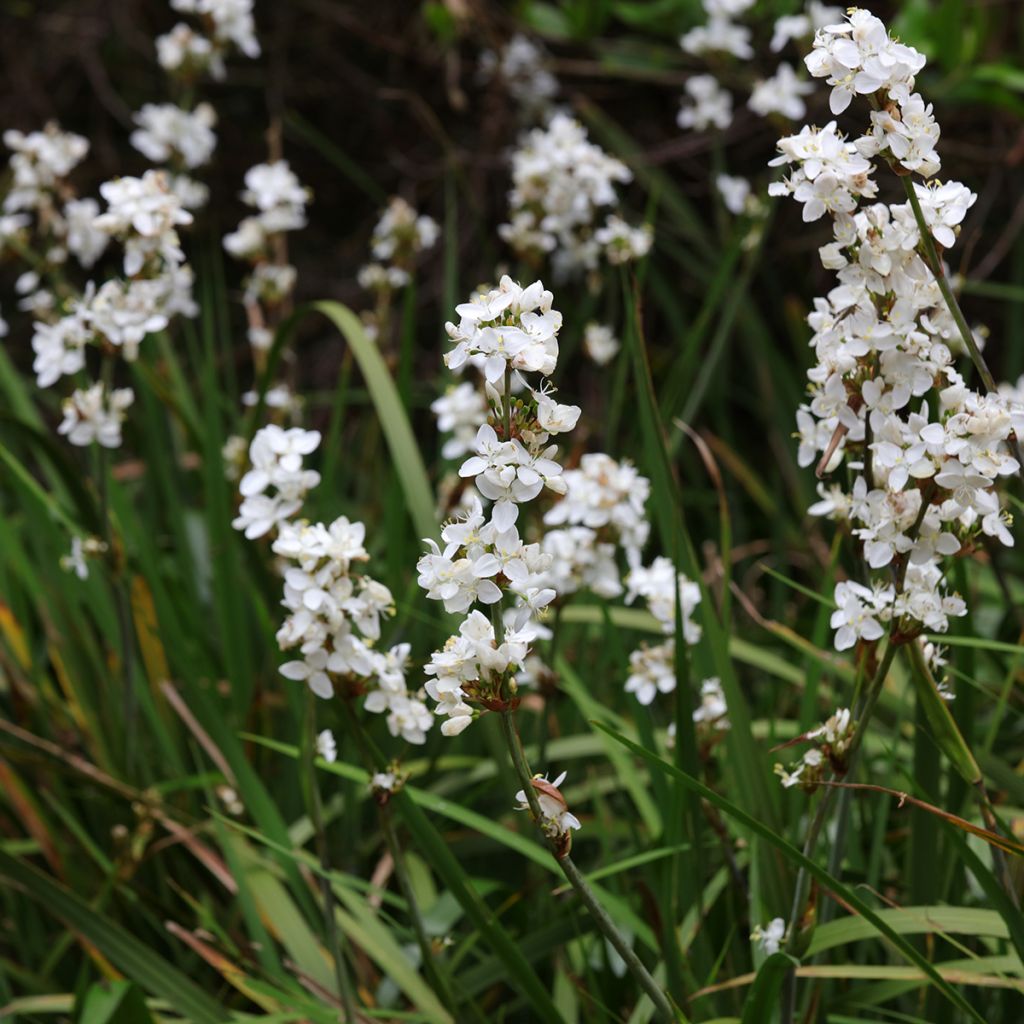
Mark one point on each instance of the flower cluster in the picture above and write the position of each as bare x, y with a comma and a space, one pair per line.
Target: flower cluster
279, 200
40, 164
831, 746
520, 68
512, 331
707, 105
461, 411
720, 34
659, 585
927, 452
400, 236
168, 134
562, 186
276, 485
601, 511
334, 613
605, 495
708, 102
43, 218
226, 26
710, 717
652, 667
334, 621
143, 214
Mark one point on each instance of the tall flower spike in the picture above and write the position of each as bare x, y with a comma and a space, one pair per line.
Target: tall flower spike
927, 452
512, 332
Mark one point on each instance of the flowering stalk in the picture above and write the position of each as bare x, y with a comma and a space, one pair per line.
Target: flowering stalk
560, 851
928, 452
510, 333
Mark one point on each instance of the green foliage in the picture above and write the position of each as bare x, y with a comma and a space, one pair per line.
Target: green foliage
130, 891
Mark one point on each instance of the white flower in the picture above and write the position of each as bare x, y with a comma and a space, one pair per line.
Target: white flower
719, 35
554, 417
600, 343
409, 718
658, 585
275, 191
734, 192
401, 233
789, 26
855, 617
652, 671
247, 240
145, 213
165, 131
81, 549
708, 106
561, 184
383, 782
858, 57
94, 414
326, 746
781, 94
125, 312
944, 206
59, 347
460, 411
41, 160
275, 457
232, 21
511, 327
770, 937
182, 50
83, 238
622, 242
712, 714
602, 493
556, 818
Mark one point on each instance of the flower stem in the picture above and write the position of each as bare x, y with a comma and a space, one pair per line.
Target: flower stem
803, 879
316, 816
575, 878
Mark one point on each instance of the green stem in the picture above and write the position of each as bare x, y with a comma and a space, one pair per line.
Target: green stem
575, 878
803, 879
316, 815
